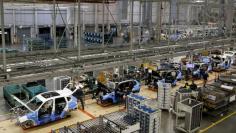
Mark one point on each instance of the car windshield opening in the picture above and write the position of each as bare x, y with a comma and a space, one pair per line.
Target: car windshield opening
34, 103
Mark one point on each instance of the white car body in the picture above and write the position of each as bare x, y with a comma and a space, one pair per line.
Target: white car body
230, 54
37, 104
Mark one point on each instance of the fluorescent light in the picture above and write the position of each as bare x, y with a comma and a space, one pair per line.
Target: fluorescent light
4, 32
8, 70
199, 1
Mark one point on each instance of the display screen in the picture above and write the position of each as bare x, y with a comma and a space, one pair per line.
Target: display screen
190, 65
205, 60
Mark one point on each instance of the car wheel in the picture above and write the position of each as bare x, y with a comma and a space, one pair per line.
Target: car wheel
27, 124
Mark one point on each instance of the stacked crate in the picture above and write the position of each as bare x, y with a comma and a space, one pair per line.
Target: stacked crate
61, 82
133, 100
164, 95
33, 44
149, 118
93, 37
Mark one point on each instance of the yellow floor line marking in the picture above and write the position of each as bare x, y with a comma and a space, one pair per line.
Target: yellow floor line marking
216, 123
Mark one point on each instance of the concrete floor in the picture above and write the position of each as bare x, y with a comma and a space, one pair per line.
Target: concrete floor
223, 126
226, 126
167, 120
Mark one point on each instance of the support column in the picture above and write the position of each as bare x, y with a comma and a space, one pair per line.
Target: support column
158, 22
3, 36
131, 24
35, 20
168, 30
108, 19
177, 12
83, 29
140, 22
75, 25
54, 26
188, 14
229, 14
96, 17
14, 26
103, 24
79, 31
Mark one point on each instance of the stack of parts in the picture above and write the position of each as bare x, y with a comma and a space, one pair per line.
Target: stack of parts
228, 89
133, 100
150, 119
148, 116
61, 82
213, 98
164, 95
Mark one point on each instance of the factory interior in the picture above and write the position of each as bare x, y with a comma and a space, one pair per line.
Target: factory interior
117, 66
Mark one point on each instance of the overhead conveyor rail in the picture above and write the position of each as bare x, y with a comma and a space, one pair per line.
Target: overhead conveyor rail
49, 54
45, 68
60, 1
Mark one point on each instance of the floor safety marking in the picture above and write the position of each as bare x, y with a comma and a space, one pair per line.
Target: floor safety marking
88, 114
216, 123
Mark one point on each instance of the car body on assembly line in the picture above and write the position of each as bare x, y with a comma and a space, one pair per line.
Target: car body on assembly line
122, 89
45, 107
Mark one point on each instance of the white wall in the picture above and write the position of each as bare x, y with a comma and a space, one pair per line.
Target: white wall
25, 16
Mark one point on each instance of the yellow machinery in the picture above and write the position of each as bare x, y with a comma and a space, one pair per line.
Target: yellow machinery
102, 77
150, 66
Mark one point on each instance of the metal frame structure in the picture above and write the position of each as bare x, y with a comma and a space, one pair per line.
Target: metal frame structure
25, 71
76, 61
116, 122
193, 115
181, 95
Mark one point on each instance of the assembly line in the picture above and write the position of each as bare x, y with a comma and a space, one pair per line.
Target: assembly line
117, 66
